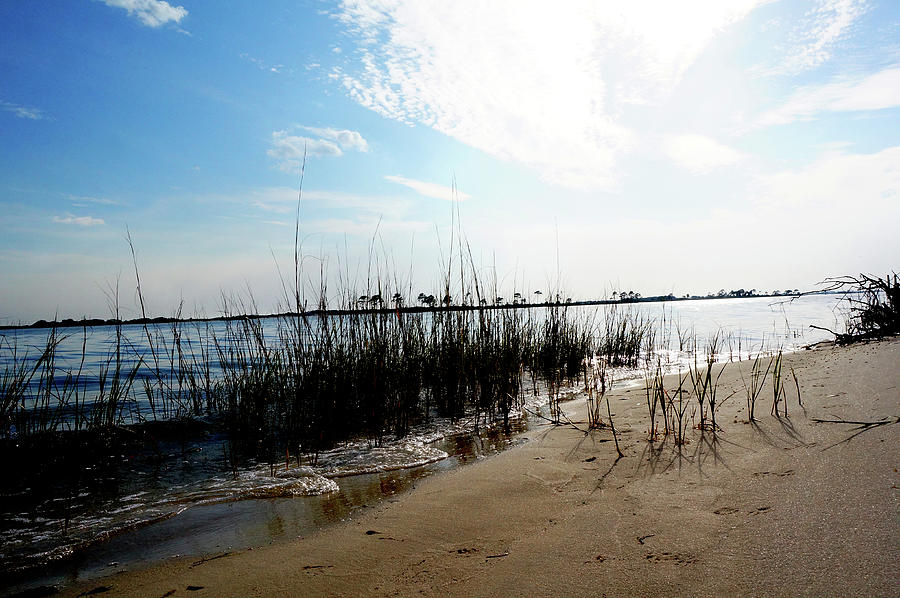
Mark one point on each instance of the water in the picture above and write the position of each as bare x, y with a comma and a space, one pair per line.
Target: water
752, 323
209, 518
186, 499
740, 328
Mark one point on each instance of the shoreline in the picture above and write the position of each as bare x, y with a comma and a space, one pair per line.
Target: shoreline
92, 322
782, 506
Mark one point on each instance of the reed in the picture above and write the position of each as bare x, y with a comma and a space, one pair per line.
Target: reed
17, 386
656, 396
612, 427
778, 394
624, 336
705, 384
678, 407
559, 350
757, 379
797, 386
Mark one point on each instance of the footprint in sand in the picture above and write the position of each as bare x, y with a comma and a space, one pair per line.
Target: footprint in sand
669, 557
779, 474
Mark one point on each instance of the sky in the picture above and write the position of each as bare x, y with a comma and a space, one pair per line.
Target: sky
582, 147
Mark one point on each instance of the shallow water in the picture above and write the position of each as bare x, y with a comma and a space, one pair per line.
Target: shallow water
213, 527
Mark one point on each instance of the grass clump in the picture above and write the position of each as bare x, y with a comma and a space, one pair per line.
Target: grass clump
705, 384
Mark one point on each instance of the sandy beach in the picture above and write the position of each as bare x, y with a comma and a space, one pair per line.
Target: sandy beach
783, 506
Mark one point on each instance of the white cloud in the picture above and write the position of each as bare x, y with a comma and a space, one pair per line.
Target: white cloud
876, 91
429, 189
347, 140
839, 187
288, 149
822, 28
699, 153
523, 82
152, 13
79, 220
28, 112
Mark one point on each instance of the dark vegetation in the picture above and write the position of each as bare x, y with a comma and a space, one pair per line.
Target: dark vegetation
306, 382
873, 306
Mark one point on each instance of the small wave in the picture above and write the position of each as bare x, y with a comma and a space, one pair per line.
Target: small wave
349, 461
296, 481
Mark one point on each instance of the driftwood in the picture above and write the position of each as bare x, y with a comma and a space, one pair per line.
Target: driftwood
874, 306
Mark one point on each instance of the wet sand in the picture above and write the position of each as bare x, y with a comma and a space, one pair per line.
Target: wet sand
784, 506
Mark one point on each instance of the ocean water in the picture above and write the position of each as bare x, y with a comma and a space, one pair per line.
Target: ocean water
148, 503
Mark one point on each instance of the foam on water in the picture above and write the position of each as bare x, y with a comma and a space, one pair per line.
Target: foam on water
358, 458
28, 540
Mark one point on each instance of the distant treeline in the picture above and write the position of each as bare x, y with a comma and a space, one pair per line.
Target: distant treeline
428, 304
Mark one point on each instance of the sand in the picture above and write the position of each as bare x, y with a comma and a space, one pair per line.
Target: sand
786, 506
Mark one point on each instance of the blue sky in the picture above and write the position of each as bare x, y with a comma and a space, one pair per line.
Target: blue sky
654, 146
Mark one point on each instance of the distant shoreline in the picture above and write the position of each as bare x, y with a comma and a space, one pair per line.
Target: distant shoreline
85, 322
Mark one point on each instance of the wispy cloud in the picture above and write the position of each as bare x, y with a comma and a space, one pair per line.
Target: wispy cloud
152, 13
283, 200
261, 64
429, 189
287, 149
816, 35
699, 153
79, 220
876, 91
87, 199
544, 88
332, 212
28, 112
275, 208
